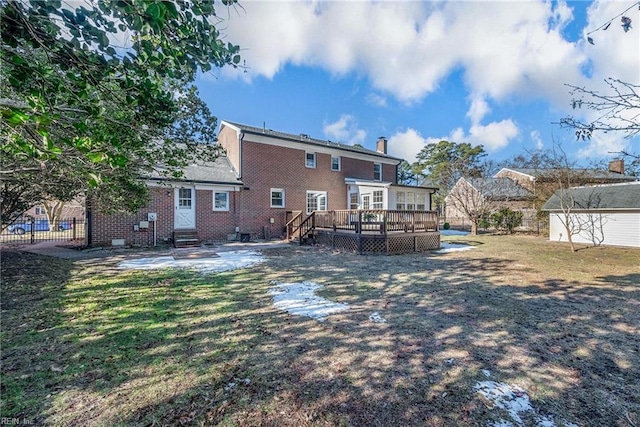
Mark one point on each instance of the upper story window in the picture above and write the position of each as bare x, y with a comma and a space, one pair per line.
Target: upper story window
277, 198
40, 210
377, 171
335, 163
310, 160
220, 200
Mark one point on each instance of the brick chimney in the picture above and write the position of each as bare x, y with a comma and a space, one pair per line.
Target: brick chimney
381, 145
617, 166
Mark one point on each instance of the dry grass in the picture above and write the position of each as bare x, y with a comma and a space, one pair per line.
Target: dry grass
83, 344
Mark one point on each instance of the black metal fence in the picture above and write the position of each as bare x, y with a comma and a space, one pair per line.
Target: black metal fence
529, 225
35, 230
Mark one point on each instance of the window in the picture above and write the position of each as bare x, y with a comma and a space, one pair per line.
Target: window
310, 161
353, 201
366, 201
410, 201
316, 201
277, 198
335, 163
377, 200
400, 201
184, 198
220, 200
420, 202
377, 171
40, 210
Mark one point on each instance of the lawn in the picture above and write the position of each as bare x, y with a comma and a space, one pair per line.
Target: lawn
85, 343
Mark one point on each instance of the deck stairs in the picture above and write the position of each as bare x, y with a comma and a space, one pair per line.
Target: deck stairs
301, 229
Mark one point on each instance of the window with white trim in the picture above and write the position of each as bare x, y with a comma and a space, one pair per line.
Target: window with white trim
310, 160
335, 163
420, 201
184, 198
316, 201
277, 198
220, 200
410, 201
40, 210
377, 171
353, 201
400, 201
378, 199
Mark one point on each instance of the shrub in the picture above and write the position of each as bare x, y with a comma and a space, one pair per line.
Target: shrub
446, 226
507, 219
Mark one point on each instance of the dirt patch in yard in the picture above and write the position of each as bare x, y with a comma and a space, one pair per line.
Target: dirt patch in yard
421, 335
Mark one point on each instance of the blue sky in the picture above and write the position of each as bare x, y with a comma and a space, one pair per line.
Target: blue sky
484, 72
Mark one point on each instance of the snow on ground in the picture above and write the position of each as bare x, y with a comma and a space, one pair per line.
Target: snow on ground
375, 317
222, 261
446, 247
301, 299
454, 233
515, 401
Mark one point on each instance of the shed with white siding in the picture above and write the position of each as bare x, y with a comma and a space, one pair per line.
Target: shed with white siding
602, 214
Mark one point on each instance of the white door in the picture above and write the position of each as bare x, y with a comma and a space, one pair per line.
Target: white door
185, 208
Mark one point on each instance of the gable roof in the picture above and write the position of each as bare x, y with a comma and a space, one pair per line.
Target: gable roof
500, 188
220, 171
599, 197
591, 173
306, 139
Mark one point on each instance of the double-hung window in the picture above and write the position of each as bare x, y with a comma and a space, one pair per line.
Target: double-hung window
220, 200
377, 171
335, 163
310, 160
277, 198
400, 201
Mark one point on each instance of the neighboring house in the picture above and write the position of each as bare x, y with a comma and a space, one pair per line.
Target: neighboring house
474, 195
67, 210
602, 214
265, 176
533, 179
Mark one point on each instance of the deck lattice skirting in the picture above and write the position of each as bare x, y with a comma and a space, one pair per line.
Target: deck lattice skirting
376, 244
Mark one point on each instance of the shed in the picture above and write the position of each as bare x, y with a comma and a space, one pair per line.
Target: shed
601, 214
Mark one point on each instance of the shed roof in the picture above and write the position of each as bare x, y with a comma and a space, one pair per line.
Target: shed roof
306, 139
598, 197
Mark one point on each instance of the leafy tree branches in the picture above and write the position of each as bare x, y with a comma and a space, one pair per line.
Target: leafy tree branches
79, 110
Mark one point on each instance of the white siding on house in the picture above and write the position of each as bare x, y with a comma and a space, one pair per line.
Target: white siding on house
613, 227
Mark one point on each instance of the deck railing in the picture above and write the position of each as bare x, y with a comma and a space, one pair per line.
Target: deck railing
382, 221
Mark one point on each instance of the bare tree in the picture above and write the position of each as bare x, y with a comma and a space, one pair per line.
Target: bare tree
618, 110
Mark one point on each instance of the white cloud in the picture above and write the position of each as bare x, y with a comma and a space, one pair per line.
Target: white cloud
377, 100
406, 145
604, 145
345, 130
494, 136
479, 108
535, 137
407, 48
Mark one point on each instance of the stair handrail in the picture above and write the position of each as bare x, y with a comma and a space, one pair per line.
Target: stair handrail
291, 225
309, 227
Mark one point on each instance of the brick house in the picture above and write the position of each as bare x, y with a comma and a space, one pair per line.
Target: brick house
264, 176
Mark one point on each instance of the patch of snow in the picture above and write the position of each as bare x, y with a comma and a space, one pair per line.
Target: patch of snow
225, 261
375, 317
486, 373
505, 396
446, 247
454, 233
300, 299
514, 400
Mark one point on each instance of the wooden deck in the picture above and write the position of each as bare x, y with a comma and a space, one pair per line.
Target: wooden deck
368, 231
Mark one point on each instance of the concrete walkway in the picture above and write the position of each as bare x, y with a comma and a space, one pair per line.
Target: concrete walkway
50, 249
